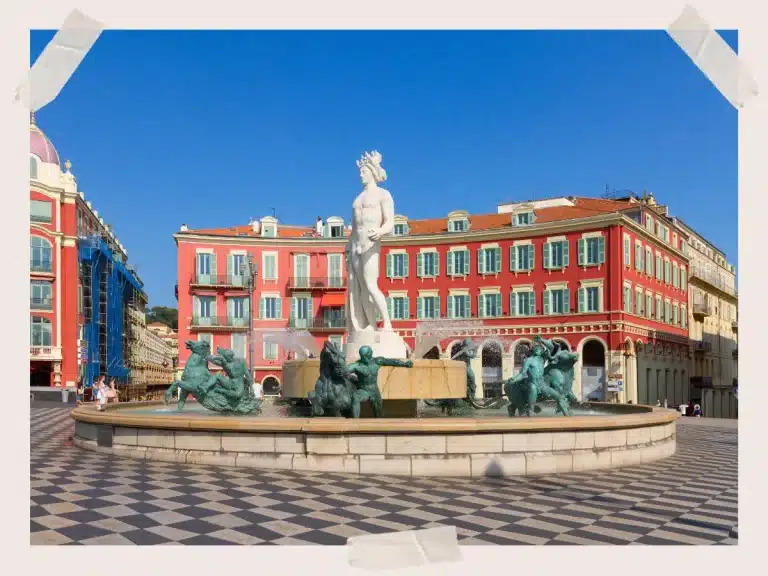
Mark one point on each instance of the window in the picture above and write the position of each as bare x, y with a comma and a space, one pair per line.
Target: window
270, 350
523, 219
335, 276
458, 262
428, 307
675, 315
238, 311
589, 299
204, 310
40, 294
335, 230
668, 312
270, 265
270, 308
522, 258
628, 299
557, 301
301, 311
489, 260
458, 225
397, 265
648, 261
649, 223
591, 251
522, 303
667, 271
239, 344
400, 230
39, 254
458, 306
639, 303
684, 316
639, 257
269, 231
489, 305
427, 264
659, 309
555, 255
683, 279
301, 270
206, 268
664, 233
627, 251
32, 167
40, 333
237, 268
399, 307
40, 211
648, 306
659, 268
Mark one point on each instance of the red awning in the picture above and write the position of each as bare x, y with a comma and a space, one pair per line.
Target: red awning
333, 299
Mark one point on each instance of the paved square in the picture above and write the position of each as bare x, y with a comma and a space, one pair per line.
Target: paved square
81, 497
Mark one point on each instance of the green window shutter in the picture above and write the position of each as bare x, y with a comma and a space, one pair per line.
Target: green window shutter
449, 263
420, 264
512, 304
450, 305
230, 265
546, 301
419, 307
582, 255
196, 305
467, 261
627, 261
480, 307
262, 307
513, 258
546, 255
213, 265
565, 254
389, 306
497, 251
437, 307
468, 305
407, 307
450, 225
581, 299
481, 261
601, 250
310, 310
498, 305
684, 279
389, 265
436, 260
531, 257
294, 307
405, 265
279, 307
566, 301
213, 307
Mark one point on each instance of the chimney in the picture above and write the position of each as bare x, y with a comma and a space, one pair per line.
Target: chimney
255, 226
319, 225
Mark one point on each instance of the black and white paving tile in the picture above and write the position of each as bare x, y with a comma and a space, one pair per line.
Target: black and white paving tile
81, 497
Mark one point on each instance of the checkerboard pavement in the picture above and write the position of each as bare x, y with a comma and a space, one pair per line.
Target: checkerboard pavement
81, 497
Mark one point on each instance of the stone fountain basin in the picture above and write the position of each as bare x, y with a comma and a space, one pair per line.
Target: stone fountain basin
631, 435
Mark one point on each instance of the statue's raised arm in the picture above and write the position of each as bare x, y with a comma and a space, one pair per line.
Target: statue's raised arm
393, 362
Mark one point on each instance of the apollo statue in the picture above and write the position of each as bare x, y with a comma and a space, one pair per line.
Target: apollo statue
373, 216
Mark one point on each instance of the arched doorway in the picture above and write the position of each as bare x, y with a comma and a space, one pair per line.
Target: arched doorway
455, 349
270, 386
521, 352
432, 354
492, 370
593, 371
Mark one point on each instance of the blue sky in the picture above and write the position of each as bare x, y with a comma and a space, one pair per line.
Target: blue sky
211, 128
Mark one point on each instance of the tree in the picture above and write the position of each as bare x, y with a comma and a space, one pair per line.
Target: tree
164, 315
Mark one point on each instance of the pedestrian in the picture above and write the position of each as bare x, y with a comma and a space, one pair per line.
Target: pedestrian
665, 403
658, 403
100, 392
113, 390
697, 411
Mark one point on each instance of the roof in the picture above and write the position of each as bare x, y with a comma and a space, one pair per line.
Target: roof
39, 145
582, 208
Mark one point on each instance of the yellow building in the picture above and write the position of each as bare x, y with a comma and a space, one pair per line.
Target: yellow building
713, 325
151, 357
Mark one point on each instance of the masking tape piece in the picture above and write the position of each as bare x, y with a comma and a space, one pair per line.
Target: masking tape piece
398, 550
714, 57
61, 57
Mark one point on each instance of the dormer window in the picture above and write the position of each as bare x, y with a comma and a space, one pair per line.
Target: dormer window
400, 229
269, 227
334, 227
458, 221
523, 219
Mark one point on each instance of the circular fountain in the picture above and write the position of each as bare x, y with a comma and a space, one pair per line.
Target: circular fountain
426, 422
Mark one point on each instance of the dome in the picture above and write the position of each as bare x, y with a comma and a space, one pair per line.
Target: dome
39, 144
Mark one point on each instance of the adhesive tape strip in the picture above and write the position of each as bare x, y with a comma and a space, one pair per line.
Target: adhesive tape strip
59, 60
398, 550
719, 63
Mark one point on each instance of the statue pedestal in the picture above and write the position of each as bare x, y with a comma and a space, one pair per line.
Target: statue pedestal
385, 343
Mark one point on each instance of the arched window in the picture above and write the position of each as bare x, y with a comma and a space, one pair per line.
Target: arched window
39, 331
39, 254
32, 167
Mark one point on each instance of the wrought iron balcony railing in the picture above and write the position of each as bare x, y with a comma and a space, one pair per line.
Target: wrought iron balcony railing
701, 381
40, 303
702, 346
317, 283
712, 278
219, 281
702, 309
219, 322
321, 324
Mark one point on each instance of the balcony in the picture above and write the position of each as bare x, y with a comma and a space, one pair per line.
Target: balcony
230, 281
219, 323
701, 381
702, 346
317, 283
40, 303
45, 352
712, 278
318, 324
41, 267
701, 310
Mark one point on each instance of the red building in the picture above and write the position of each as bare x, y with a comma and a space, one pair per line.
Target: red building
606, 278
60, 220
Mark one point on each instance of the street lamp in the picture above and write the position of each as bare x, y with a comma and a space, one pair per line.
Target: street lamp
248, 269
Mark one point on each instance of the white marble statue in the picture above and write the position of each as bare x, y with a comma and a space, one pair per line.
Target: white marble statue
373, 216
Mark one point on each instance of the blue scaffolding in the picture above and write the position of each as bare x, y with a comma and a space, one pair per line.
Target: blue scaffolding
109, 287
